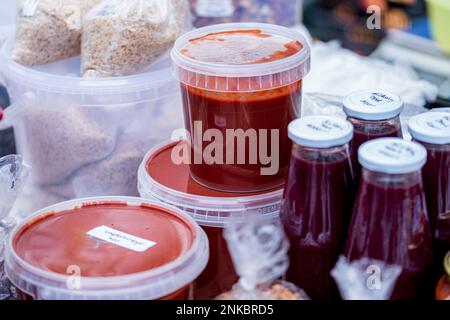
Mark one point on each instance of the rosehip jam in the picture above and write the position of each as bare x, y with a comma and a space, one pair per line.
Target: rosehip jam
318, 200
374, 114
161, 178
121, 248
390, 221
241, 86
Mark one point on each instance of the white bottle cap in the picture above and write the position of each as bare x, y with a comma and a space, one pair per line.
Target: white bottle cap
320, 131
431, 127
372, 105
392, 155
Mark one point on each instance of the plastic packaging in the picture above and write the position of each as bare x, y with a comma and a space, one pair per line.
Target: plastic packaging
318, 201
282, 12
48, 30
365, 279
122, 37
161, 178
259, 252
392, 194
86, 137
13, 174
156, 254
247, 78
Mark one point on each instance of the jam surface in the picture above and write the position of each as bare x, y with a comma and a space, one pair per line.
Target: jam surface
240, 47
56, 241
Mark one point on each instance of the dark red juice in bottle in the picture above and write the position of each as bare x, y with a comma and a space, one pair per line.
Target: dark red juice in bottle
317, 202
432, 130
389, 221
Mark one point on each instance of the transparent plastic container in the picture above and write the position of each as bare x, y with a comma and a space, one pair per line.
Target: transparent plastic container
282, 12
241, 85
86, 137
163, 272
373, 114
318, 201
161, 179
390, 219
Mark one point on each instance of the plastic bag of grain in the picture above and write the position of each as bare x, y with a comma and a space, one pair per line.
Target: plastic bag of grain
49, 30
122, 37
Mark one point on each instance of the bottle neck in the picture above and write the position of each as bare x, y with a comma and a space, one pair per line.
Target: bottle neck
391, 180
332, 154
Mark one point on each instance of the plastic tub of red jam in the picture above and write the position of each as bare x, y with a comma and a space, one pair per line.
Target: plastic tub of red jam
106, 248
241, 86
159, 177
373, 114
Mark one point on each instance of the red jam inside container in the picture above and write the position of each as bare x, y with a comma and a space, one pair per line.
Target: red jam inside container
160, 178
241, 86
125, 244
389, 220
318, 200
374, 114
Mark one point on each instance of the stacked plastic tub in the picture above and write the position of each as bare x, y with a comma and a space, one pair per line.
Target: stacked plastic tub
86, 137
255, 95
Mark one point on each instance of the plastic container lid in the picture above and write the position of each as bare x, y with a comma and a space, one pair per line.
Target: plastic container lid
320, 131
63, 77
392, 155
159, 178
372, 105
431, 127
233, 70
30, 270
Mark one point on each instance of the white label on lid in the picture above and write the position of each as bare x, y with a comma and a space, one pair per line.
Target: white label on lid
376, 99
438, 123
121, 239
215, 8
398, 151
327, 126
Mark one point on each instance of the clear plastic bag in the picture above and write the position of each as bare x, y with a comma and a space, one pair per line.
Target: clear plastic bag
13, 174
49, 30
122, 37
281, 12
259, 251
365, 279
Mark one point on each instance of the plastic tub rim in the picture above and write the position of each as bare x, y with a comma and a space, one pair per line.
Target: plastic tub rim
80, 85
245, 70
204, 204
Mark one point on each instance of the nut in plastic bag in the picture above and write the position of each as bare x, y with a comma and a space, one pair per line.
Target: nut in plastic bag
49, 30
259, 251
365, 279
122, 37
